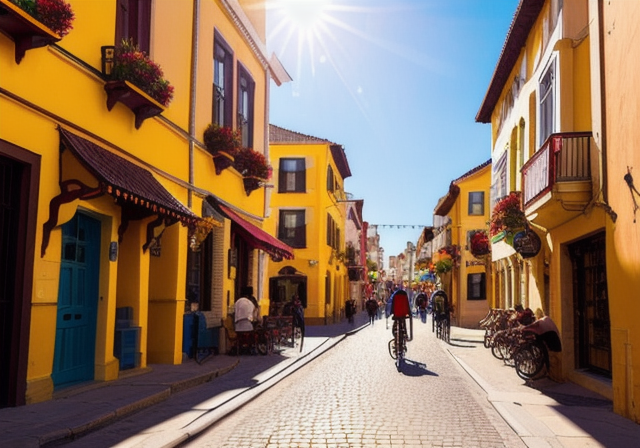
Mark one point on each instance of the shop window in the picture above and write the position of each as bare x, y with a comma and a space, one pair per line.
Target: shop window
476, 285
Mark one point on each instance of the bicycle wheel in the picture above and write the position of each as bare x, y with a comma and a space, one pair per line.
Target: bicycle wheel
496, 347
529, 360
392, 348
399, 346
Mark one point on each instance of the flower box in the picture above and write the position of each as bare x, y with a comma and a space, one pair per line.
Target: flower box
224, 144
141, 104
26, 31
252, 183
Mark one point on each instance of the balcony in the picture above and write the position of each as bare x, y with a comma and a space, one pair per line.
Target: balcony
557, 180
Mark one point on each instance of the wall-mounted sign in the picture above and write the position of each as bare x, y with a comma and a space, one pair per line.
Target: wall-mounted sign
527, 243
113, 251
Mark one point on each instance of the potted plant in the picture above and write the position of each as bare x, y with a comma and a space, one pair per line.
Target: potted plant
253, 167
479, 244
223, 143
507, 218
137, 82
35, 23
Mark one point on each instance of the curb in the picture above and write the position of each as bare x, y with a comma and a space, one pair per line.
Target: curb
72, 433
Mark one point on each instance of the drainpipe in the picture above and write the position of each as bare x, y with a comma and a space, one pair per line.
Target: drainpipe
262, 262
192, 94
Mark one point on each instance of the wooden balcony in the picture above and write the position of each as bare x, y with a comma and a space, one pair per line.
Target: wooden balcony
557, 180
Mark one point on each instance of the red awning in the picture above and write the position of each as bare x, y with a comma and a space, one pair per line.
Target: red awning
258, 237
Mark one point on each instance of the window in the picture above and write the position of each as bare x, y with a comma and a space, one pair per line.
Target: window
292, 176
330, 179
333, 233
292, 230
547, 104
476, 286
476, 203
246, 88
133, 21
222, 82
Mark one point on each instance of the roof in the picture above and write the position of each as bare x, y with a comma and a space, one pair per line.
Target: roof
443, 207
281, 135
523, 20
125, 181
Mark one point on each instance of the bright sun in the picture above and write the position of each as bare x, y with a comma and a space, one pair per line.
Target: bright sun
305, 15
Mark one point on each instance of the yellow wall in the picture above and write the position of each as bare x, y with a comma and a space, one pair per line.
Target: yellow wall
63, 85
622, 78
469, 312
317, 202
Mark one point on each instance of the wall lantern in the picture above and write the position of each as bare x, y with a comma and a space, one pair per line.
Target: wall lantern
108, 58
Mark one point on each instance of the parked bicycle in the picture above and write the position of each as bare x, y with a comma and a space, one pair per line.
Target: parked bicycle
533, 354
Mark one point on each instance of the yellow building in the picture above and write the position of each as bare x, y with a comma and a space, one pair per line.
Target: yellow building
308, 212
109, 187
545, 105
463, 212
618, 38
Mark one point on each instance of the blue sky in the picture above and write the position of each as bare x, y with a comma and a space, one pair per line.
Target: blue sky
398, 83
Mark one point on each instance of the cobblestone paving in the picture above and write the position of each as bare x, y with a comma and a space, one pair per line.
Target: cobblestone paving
354, 397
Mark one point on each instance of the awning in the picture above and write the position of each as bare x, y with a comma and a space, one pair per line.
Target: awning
257, 237
134, 188
124, 180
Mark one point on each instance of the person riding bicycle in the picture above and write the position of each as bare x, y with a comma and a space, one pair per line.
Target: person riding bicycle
400, 309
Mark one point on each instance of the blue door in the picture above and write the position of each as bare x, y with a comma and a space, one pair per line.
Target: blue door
74, 356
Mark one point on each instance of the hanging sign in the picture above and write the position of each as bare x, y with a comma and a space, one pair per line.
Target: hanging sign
527, 243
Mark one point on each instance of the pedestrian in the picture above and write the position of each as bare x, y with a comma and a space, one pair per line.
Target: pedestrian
421, 303
349, 310
244, 311
372, 309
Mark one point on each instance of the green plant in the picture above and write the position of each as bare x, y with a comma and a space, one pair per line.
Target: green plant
443, 266
56, 15
222, 138
251, 163
133, 65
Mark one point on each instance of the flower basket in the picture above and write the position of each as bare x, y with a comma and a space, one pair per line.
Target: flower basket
507, 218
224, 144
479, 244
250, 163
34, 23
133, 65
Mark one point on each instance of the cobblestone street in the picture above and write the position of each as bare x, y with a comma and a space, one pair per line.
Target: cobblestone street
353, 396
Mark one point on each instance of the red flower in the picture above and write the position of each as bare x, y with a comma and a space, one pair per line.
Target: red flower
133, 65
222, 138
479, 243
251, 163
54, 14
507, 214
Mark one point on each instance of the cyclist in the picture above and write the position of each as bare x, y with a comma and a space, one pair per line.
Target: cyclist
400, 310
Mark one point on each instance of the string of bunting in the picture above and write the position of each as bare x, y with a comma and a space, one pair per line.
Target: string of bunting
400, 226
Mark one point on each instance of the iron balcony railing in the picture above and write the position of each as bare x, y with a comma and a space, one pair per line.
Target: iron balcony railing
563, 157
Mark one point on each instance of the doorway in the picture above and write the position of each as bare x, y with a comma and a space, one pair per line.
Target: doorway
74, 356
591, 305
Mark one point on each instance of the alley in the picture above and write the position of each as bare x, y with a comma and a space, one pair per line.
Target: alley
352, 396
